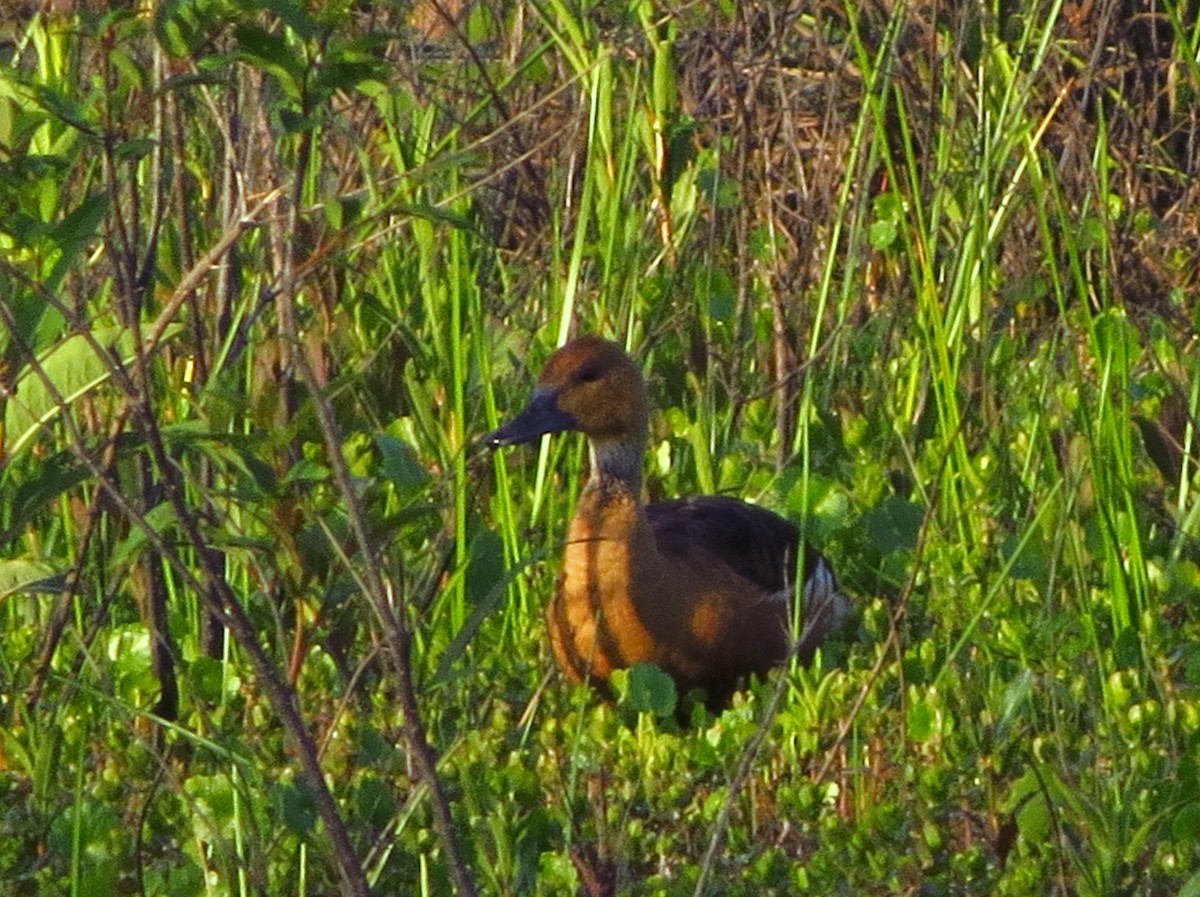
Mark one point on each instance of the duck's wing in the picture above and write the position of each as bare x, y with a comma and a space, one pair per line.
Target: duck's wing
758, 546
754, 543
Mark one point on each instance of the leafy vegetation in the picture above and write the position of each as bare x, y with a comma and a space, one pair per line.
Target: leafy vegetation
924, 278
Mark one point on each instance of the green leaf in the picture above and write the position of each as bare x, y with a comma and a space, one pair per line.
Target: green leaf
21, 576
40, 486
295, 806
271, 53
1028, 802
306, 471
213, 806
718, 285
722, 191
183, 27
161, 520
485, 565
81, 223
73, 369
1034, 561
71, 236
182, 879
921, 721
206, 675
64, 108
436, 215
294, 122
93, 831
650, 690
1191, 888
1016, 695
889, 215
293, 15
883, 234
1186, 824
1190, 655
400, 465
134, 149
347, 70
894, 524
374, 801
1128, 648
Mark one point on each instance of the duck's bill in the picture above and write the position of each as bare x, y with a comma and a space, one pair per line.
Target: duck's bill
541, 416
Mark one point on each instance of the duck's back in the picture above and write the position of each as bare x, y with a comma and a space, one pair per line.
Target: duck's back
756, 544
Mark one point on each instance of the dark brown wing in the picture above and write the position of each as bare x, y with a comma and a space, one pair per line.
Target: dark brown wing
753, 542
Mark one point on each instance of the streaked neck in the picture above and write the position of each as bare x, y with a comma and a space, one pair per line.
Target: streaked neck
619, 462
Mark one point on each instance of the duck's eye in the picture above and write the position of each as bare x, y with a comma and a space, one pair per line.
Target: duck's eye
588, 374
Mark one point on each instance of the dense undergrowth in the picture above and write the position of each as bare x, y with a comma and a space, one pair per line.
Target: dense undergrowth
924, 277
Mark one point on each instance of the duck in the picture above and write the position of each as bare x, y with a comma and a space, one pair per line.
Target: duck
702, 587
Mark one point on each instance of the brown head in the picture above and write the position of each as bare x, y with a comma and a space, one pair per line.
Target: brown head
589, 385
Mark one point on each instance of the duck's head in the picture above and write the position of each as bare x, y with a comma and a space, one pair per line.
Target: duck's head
589, 385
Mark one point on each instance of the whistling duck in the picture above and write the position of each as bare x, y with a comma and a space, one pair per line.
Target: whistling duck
701, 587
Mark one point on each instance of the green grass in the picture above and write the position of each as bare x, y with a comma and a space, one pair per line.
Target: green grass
923, 280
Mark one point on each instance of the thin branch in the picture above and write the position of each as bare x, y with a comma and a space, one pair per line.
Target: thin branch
211, 586
380, 596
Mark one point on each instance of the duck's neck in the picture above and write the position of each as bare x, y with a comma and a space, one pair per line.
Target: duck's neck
617, 462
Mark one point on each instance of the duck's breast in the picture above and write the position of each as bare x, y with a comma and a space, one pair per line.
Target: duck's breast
595, 627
